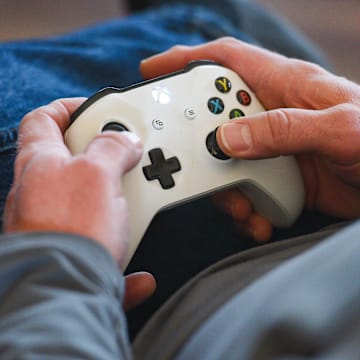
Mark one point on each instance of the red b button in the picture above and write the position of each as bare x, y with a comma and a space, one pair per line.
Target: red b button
243, 97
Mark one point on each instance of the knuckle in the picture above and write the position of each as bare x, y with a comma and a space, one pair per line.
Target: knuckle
92, 170
34, 116
111, 139
349, 116
114, 144
346, 131
52, 110
309, 93
320, 90
278, 125
179, 48
30, 117
182, 53
305, 67
226, 46
341, 92
58, 107
228, 41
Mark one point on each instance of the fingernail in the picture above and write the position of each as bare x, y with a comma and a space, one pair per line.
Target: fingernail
253, 233
132, 137
148, 58
236, 137
228, 207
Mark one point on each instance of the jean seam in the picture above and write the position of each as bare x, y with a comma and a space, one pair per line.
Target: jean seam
8, 139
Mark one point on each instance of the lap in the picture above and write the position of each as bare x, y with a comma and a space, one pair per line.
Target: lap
36, 72
295, 297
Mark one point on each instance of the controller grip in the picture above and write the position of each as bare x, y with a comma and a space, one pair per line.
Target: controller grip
280, 200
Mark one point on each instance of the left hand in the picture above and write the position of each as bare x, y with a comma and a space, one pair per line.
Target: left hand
138, 287
54, 191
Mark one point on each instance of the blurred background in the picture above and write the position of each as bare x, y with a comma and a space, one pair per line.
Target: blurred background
334, 25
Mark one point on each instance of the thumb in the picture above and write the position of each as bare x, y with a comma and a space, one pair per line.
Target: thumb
287, 131
117, 152
139, 286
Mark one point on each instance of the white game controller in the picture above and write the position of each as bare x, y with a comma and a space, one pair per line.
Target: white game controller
175, 116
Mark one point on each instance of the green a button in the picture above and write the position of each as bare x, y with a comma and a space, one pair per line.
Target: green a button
236, 113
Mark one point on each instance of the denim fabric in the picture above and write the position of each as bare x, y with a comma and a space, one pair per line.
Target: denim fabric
35, 72
265, 26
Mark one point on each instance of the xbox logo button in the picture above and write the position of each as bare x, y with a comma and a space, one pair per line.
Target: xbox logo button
161, 94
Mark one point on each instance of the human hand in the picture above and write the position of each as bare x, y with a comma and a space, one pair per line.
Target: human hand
57, 192
138, 287
312, 114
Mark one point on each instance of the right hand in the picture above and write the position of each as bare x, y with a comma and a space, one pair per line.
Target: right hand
313, 114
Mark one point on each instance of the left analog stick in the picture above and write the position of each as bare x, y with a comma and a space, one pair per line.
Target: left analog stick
114, 126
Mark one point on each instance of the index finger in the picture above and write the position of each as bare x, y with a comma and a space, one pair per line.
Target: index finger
47, 124
276, 80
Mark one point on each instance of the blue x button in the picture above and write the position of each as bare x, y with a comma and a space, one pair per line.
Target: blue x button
216, 105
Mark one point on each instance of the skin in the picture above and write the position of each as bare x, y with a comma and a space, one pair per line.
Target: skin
57, 192
312, 114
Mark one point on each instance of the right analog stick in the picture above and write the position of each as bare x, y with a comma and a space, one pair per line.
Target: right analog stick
214, 148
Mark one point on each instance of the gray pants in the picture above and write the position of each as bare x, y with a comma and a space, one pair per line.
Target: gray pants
295, 299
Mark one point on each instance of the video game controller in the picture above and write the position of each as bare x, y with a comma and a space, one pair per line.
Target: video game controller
176, 117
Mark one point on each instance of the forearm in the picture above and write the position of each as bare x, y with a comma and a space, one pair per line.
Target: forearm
62, 295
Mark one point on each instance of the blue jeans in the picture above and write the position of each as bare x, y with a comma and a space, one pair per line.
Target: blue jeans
33, 73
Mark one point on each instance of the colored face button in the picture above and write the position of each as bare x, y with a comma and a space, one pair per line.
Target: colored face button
216, 105
236, 113
223, 84
243, 97
161, 169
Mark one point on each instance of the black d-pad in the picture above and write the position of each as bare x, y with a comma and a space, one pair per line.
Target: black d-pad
161, 168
